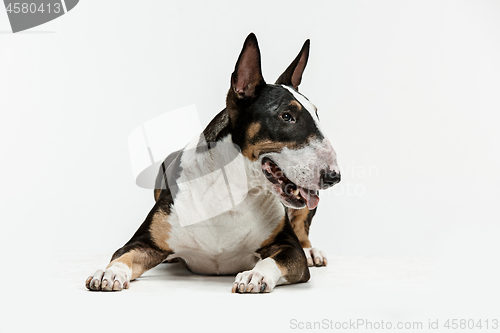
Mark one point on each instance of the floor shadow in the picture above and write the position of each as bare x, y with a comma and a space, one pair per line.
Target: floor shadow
178, 272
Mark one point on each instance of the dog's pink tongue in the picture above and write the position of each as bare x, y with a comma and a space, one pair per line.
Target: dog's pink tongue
311, 198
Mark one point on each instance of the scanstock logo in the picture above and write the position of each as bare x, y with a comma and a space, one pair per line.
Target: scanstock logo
31, 13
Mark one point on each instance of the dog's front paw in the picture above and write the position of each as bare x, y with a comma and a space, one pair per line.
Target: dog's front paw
114, 278
253, 282
315, 257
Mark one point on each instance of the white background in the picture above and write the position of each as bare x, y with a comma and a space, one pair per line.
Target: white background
408, 93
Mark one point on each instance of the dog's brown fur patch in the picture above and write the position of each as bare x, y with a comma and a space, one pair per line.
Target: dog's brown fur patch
298, 219
252, 130
135, 260
160, 230
127, 259
254, 150
296, 105
157, 194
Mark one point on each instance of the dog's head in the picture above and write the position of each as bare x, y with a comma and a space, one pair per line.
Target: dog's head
278, 127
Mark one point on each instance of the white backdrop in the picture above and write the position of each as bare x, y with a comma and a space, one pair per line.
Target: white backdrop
407, 93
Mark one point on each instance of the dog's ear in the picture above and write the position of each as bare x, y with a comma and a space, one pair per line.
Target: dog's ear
293, 74
247, 75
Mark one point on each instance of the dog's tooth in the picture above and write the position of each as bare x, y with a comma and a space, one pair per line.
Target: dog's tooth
296, 192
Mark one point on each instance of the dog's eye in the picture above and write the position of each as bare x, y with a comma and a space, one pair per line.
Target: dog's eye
287, 117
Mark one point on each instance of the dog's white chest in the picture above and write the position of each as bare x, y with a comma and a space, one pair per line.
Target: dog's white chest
226, 244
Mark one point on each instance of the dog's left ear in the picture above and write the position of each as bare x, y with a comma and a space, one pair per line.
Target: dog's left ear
293, 74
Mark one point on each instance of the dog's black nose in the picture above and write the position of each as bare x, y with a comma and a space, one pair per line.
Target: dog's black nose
328, 179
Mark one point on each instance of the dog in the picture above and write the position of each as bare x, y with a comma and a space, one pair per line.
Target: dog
269, 139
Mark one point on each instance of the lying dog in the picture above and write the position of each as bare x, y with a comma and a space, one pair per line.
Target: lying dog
274, 133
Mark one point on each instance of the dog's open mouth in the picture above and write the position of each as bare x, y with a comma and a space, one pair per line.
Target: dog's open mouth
294, 195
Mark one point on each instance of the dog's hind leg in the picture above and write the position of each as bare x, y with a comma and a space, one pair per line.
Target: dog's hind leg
301, 222
282, 262
146, 249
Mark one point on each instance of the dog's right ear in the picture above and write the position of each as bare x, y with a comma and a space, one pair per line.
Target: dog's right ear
293, 74
247, 75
